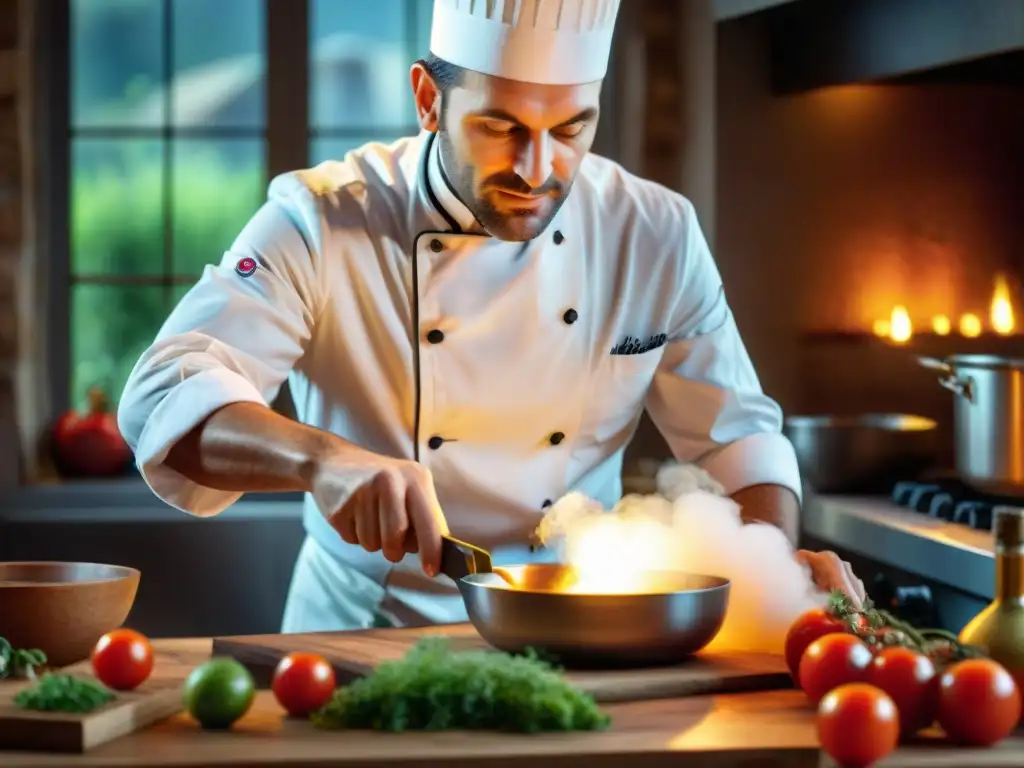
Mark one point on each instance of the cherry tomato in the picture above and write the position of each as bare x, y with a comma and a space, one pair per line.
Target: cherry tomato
909, 678
808, 627
122, 659
979, 702
858, 725
302, 683
831, 661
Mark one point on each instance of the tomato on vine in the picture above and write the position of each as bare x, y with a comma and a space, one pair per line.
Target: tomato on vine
910, 679
831, 661
858, 725
808, 627
978, 702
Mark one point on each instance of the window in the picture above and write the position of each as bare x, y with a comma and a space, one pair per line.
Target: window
359, 62
177, 114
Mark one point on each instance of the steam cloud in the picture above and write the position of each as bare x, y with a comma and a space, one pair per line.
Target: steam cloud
689, 525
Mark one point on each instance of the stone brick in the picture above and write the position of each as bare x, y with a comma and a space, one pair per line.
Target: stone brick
8, 334
10, 166
10, 215
9, 65
9, 120
10, 262
8, 24
11, 458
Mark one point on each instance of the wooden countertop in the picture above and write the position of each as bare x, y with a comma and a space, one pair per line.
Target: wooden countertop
762, 729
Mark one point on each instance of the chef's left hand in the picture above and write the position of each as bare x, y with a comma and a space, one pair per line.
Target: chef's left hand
829, 572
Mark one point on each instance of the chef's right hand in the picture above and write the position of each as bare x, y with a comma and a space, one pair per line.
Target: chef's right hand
382, 504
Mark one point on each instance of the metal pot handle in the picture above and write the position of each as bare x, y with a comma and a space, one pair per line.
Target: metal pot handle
961, 386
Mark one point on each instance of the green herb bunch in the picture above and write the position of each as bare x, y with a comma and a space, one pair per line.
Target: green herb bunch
18, 662
63, 693
434, 688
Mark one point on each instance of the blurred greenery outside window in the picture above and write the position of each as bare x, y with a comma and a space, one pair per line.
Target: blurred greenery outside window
169, 137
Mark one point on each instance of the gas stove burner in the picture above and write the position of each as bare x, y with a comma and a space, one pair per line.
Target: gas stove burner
951, 500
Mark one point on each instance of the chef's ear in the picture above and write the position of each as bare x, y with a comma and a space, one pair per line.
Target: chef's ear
427, 96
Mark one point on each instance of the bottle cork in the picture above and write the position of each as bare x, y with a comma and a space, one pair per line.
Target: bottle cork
1008, 527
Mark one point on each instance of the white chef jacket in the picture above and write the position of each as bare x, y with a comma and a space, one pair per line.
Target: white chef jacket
515, 372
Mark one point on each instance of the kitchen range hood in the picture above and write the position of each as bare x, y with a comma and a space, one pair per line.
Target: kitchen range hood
820, 43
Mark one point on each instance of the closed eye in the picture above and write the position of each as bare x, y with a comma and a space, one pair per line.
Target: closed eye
569, 131
499, 127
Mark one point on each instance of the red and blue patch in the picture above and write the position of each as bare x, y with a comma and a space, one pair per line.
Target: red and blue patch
246, 266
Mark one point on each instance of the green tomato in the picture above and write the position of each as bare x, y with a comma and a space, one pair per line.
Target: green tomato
218, 692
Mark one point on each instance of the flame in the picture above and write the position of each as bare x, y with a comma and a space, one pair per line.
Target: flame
970, 326
900, 327
1001, 311
612, 555
941, 325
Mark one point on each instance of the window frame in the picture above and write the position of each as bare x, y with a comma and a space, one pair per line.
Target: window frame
288, 135
285, 133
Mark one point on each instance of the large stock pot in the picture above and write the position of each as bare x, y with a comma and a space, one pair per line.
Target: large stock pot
988, 419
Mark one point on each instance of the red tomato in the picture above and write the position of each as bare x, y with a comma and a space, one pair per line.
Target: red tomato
91, 444
122, 659
909, 679
831, 661
302, 683
979, 702
808, 627
858, 725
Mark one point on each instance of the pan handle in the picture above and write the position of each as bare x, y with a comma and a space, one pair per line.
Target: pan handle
460, 559
960, 386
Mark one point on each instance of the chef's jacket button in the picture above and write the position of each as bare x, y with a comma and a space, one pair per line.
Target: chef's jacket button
435, 336
435, 442
570, 316
436, 245
557, 437
546, 504
559, 237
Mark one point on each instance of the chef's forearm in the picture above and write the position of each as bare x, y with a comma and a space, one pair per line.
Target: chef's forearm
774, 504
248, 447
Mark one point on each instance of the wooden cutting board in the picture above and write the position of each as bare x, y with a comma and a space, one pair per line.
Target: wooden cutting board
356, 654
156, 699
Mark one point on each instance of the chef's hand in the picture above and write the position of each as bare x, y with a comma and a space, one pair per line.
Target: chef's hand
382, 504
829, 572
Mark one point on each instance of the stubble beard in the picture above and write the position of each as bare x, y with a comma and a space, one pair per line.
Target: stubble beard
509, 225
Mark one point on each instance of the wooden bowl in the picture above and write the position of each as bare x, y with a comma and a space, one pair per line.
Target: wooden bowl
63, 608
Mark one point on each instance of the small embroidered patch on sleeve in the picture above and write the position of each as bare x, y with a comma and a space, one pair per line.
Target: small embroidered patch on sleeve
246, 266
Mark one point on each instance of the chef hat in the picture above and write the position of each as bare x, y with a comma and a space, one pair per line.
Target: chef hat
555, 42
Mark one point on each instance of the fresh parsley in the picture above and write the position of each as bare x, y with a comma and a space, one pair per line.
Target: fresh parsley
434, 688
63, 693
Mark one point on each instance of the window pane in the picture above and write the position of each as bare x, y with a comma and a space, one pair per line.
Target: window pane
423, 15
117, 63
117, 196
110, 328
359, 68
218, 185
220, 63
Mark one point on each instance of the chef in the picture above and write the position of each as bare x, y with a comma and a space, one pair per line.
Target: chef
472, 321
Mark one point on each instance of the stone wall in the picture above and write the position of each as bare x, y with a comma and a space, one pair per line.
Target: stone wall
15, 215
11, 173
